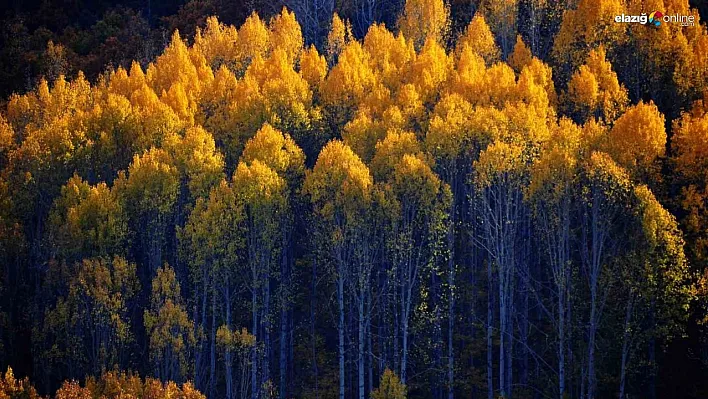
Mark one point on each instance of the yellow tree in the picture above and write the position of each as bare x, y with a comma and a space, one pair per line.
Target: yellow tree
479, 38
551, 193
279, 153
149, 194
521, 56
168, 326
263, 196
424, 20
638, 140
216, 43
689, 145
576, 36
87, 221
285, 34
419, 227
499, 178
340, 33
595, 92
389, 55
390, 387
429, 71
502, 20
339, 188
253, 41
213, 244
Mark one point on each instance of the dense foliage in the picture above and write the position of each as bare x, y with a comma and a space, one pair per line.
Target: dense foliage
516, 207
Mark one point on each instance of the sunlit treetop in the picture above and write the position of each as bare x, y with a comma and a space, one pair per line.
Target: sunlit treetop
690, 143
424, 20
340, 33
217, 43
390, 150
285, 33
638, 139
177, 66
594, 91
500, 163
258, 185
276, 150
430, 70
577, 36
351, 78
197, 159
340, 183
555, 171
87, 221
414, 181
313, 67
521, 56
389, 54
480, 40
253, 40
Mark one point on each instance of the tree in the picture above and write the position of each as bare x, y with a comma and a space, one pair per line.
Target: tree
418, 228
479, 38
263, 195
149, 194
595, 92
11, 387
638, 139
339, 188
425, 20
213, 240
87, 221
575, 37
502, 17
390, 387
499, 178
552, 193
606, 188
169, 327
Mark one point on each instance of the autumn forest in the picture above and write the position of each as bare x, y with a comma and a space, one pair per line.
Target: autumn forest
380, 199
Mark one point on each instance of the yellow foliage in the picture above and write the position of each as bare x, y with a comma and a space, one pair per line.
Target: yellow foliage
389, 54
351, 79
339, 184
276, 150
425, 20
521, 56
391, 150
253, 40
430, 70
217, 44
480, 40
340, 33
313, 67
499, 161
576, 36
595, 91
285, 34
638, 138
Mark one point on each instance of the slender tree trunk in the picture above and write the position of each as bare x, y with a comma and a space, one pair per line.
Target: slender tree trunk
340, 328
228, 362
212, 364
360, 359
254, 355
490, 332
626, 344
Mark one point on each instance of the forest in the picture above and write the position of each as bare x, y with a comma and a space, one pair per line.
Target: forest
380, 199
